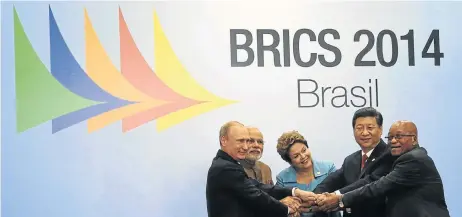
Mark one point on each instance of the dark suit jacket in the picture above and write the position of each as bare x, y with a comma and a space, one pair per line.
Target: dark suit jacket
350, 177
413, 188
231, 193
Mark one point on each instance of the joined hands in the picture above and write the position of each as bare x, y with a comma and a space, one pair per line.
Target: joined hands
305, 201
328, 202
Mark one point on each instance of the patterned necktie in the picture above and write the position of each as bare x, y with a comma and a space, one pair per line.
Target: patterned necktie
363, 160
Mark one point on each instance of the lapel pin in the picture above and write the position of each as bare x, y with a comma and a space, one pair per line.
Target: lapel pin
318, 173
373, 159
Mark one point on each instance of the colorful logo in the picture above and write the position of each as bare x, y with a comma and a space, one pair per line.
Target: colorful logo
99, 93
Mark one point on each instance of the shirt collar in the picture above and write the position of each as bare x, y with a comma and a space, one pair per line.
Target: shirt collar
368, 153
226, 156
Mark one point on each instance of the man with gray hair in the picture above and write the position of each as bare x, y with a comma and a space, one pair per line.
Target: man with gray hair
230, 192
254, 168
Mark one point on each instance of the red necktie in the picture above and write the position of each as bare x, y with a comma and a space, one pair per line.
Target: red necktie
363, 160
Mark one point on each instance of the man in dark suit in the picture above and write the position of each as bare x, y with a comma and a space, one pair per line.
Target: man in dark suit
231, 193
361, 167
413, 188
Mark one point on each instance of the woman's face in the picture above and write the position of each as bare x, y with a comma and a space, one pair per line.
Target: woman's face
300, 155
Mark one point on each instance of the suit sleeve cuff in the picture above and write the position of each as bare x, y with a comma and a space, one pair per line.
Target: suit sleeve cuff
337, 192
346, 199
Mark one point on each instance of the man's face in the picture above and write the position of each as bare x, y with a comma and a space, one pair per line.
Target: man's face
255, 145
236, 142
401, 139
367, 132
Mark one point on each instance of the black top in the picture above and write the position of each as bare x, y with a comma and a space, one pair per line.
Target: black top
413, 188
231, 193
350, 177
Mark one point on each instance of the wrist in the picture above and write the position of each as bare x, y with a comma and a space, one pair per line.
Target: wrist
295, 192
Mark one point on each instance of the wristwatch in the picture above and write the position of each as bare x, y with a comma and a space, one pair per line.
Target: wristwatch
340, 202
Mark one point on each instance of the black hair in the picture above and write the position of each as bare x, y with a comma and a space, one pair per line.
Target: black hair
368, 112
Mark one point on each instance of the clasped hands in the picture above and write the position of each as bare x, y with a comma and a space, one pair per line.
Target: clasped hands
305, 201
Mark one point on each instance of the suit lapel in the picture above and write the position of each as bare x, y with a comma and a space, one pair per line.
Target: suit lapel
357, 164
375, 155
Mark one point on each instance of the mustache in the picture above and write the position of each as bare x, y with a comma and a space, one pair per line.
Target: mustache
254, 149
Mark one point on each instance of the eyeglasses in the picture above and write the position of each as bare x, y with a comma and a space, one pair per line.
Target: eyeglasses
259, 141
397, 136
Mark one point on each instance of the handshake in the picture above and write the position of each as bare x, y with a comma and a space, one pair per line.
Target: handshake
305, 201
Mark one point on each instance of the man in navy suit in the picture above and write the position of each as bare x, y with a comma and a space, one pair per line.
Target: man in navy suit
364, 166
413, 188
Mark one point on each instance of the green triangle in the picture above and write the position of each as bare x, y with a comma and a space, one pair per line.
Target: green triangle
39, 97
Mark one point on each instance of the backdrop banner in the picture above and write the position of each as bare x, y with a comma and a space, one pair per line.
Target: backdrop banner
113, 108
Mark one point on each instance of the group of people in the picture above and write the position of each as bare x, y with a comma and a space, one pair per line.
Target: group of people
391, 178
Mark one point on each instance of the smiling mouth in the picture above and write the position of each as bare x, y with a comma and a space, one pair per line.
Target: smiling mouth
305, 161
242, 152
395, 146
255, 152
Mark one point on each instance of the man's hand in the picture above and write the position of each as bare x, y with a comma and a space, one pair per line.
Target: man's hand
293, 203
306, 196
307, 206
328, 202
295, 214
